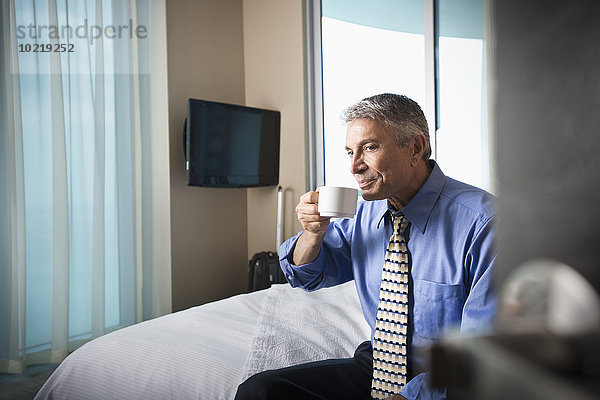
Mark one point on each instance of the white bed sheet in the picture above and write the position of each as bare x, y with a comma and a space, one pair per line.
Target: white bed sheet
205, 352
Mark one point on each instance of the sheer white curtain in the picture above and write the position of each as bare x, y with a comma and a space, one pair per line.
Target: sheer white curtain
84, 200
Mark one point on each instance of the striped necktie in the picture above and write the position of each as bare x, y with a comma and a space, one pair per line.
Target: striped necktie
391, 326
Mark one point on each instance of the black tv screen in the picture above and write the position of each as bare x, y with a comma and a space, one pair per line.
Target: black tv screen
230, 145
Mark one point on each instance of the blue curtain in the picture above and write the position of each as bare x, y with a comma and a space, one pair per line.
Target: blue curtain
76, 155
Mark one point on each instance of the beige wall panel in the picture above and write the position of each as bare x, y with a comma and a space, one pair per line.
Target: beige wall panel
209, 226
274, 76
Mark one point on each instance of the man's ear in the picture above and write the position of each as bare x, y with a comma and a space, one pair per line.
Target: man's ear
419, 143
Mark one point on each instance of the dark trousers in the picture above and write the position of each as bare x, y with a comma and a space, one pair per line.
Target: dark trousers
346, 378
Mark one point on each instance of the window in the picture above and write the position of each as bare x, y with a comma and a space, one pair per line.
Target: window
462, 136
431, 51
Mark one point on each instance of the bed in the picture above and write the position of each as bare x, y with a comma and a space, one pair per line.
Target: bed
205, 352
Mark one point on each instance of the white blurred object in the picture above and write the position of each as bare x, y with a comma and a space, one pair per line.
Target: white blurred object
547, 295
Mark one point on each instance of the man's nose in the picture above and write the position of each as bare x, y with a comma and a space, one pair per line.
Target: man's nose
357, 164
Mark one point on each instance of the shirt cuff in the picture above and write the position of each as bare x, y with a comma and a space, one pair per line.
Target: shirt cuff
299, 275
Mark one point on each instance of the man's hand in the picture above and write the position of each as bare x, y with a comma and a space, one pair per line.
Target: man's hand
308, 214
309, 243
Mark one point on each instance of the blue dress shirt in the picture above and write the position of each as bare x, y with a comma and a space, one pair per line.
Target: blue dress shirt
451, 242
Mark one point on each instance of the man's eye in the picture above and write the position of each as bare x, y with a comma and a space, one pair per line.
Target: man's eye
370, 147
349, 153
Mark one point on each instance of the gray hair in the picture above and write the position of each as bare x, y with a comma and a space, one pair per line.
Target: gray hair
398, 112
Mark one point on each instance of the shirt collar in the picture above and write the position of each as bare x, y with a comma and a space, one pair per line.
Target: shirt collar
419, 208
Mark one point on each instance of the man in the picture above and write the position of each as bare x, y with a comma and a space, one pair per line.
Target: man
419, 250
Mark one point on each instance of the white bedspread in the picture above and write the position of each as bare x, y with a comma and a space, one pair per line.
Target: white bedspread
296, 327
207, 351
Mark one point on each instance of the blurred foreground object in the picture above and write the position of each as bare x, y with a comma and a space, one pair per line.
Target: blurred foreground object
546, 295
546, 345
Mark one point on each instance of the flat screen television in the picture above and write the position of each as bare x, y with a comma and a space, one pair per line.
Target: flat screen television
228, 145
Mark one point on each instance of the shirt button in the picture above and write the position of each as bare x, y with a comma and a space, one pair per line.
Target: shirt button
289, 277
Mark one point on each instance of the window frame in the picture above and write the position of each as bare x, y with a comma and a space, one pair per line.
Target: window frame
314, 89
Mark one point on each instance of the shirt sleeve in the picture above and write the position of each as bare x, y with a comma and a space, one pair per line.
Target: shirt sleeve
332, 266
480, 307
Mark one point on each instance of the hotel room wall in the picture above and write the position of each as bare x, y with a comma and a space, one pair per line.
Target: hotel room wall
209, 226
274, 78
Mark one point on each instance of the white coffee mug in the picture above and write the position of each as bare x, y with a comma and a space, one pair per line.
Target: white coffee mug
337, 202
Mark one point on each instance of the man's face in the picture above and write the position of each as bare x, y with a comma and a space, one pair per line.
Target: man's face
382, 169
